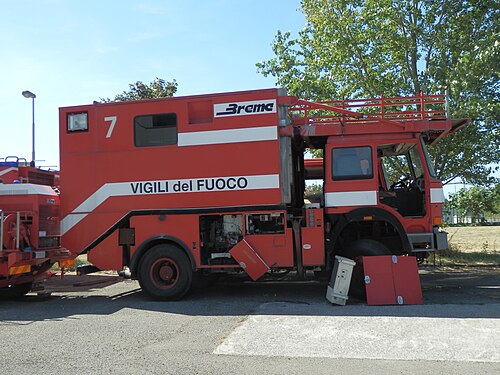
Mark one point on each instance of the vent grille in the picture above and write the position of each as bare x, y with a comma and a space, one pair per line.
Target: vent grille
40, 178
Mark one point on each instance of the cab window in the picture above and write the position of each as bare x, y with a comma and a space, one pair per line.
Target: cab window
352, 163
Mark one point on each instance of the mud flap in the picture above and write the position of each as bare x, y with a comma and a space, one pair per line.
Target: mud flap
249, 260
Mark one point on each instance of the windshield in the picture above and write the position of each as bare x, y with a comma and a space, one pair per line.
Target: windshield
416, 163
428, 160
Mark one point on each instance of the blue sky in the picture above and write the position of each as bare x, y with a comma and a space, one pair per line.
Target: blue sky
71, 52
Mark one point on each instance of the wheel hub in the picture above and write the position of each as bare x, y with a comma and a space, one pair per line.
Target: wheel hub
166, 272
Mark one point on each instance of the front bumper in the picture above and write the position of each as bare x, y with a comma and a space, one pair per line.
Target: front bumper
437, 240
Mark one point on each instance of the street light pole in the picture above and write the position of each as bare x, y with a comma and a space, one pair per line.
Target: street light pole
29, 94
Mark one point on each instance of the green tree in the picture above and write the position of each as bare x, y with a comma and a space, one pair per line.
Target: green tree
495, 197
314, 193
159, 88
365, 48
476, 202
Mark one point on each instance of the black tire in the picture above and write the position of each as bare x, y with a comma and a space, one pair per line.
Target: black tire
355, 251
15, 291
366, 247
165, 273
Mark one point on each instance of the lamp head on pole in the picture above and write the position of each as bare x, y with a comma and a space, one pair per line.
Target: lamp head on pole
28, 94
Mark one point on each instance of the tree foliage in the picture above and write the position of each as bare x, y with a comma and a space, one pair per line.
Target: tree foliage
476, 202
159, 88
314, 193
365, 48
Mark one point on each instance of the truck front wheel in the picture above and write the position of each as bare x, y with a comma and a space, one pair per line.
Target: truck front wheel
165, 273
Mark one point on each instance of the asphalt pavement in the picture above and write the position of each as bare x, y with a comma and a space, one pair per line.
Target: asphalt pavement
101, 324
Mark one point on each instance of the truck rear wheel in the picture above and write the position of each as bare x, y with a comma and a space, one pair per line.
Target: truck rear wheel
356, 251
165, 273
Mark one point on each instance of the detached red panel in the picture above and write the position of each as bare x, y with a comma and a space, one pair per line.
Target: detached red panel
379, 282
407, 281
249, 260
392, 280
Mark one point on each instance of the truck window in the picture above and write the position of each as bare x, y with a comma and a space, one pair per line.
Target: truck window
155, 130
403, 173
352, 163
401, 162
396, 169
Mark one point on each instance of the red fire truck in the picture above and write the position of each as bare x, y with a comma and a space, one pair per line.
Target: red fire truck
29, 226
181, 187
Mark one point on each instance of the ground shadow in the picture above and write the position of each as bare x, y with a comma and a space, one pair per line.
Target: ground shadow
466, 294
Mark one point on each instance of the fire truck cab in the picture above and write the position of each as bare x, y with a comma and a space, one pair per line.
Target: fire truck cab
181, 187
388, 178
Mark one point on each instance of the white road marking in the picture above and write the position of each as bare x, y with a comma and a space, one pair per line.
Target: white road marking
370, 337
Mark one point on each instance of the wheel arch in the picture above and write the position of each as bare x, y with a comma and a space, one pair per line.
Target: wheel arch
342, 222
158, 240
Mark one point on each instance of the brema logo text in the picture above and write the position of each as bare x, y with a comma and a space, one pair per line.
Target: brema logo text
245, 108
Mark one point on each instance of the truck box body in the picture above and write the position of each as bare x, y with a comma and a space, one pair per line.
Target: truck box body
224, 153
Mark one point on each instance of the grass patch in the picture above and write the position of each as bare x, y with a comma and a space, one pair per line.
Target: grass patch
479, 258
474, 239
471, 246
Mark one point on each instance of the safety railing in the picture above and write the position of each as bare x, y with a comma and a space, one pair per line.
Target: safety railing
418, 107
13, 161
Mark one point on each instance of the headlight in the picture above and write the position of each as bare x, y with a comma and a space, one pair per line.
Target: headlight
78, 122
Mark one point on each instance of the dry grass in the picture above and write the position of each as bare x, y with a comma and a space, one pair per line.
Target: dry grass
472, 246
474, 239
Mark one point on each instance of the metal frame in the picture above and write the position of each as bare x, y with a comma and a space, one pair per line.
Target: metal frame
417, 107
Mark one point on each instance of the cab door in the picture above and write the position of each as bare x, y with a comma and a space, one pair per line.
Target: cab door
350, 180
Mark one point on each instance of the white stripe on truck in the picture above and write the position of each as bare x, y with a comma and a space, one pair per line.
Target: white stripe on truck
351, 198
213, 137
155, 187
